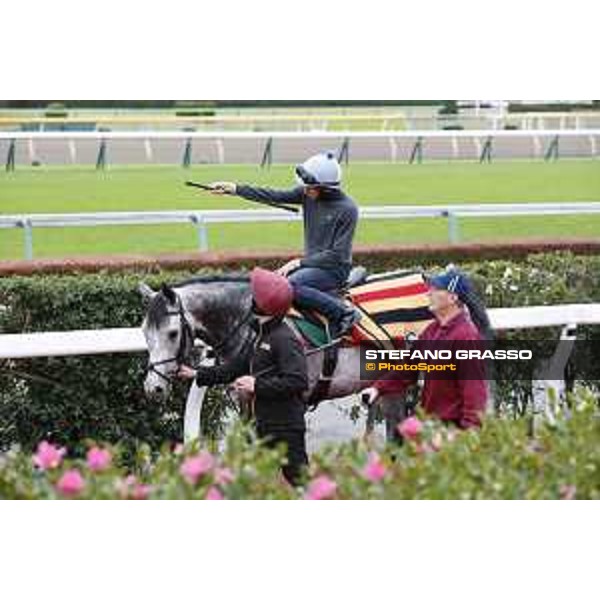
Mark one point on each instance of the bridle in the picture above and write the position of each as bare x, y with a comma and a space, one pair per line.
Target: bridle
186, 342
187, 337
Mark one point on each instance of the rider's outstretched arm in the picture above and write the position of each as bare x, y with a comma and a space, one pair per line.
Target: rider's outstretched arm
292, 196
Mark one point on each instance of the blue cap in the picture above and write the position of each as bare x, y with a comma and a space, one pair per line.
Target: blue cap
453, 281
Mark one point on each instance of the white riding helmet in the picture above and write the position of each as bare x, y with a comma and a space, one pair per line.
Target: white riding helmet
321, 169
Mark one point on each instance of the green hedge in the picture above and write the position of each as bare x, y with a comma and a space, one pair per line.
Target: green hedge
101, 397
501, 461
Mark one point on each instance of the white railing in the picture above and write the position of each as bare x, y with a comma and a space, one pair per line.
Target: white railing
264, 135
201, 219
483, 140
131, 340
382, 120
108, 341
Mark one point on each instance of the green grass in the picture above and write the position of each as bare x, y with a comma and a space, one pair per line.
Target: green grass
77, 189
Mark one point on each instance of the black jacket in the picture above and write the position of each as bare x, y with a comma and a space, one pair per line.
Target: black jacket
329, 223
277, 361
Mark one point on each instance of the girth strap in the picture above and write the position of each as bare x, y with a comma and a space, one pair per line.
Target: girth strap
321, 389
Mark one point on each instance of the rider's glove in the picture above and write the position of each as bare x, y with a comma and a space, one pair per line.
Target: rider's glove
223, 187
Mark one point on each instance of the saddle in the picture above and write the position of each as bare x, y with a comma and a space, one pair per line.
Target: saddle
394, 307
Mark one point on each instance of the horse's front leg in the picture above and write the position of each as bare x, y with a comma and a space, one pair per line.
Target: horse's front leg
395, 410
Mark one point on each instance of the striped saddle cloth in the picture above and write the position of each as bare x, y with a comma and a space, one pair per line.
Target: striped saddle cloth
394, 305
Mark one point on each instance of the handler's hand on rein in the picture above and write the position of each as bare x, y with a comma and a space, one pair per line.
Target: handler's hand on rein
244, 384
223, 188
186, 372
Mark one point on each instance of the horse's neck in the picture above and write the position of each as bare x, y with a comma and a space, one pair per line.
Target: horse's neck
218, 311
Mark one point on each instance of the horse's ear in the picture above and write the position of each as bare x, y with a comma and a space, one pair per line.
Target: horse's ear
168, 293
146, 292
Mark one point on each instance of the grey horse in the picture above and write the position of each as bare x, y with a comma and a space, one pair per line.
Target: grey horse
216, 310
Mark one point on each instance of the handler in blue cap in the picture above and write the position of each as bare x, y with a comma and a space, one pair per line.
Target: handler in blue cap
460, 397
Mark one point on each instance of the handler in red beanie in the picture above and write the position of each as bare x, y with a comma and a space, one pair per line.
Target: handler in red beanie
272, 370
460, 321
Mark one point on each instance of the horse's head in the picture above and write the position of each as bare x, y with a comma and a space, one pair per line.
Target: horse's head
169, 334
215, 309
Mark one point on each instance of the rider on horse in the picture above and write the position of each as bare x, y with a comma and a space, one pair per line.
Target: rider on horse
330, 218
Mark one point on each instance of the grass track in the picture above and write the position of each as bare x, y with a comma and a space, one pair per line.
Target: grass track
79, 189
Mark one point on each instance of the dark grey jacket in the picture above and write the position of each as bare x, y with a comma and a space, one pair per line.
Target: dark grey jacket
329, 223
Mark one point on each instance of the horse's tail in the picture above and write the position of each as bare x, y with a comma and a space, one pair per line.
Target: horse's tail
479, 314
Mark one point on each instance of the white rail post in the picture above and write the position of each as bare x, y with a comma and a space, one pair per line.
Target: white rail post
201, 230
192, 418
453, 228
27, 238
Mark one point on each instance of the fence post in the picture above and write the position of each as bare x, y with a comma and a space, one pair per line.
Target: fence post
344, 152
10, 157
453, 228
101, 160
187, 151
267, 157
486, 152
27, 238
417, 151
202, 232
552, 151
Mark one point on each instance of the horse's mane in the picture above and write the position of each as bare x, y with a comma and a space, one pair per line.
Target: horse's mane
220, 278
158, 306
157, 309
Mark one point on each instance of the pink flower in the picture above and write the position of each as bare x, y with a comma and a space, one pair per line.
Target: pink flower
223, 476
98, 459
214, 494
71, 483
567, 492
48, 456
195, 466
130, 488
140, 491
321, 488
410, 428
374, 470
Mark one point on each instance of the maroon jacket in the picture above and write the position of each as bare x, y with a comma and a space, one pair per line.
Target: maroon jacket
455, 399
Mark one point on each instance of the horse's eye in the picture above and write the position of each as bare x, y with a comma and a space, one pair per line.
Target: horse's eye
173, 335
